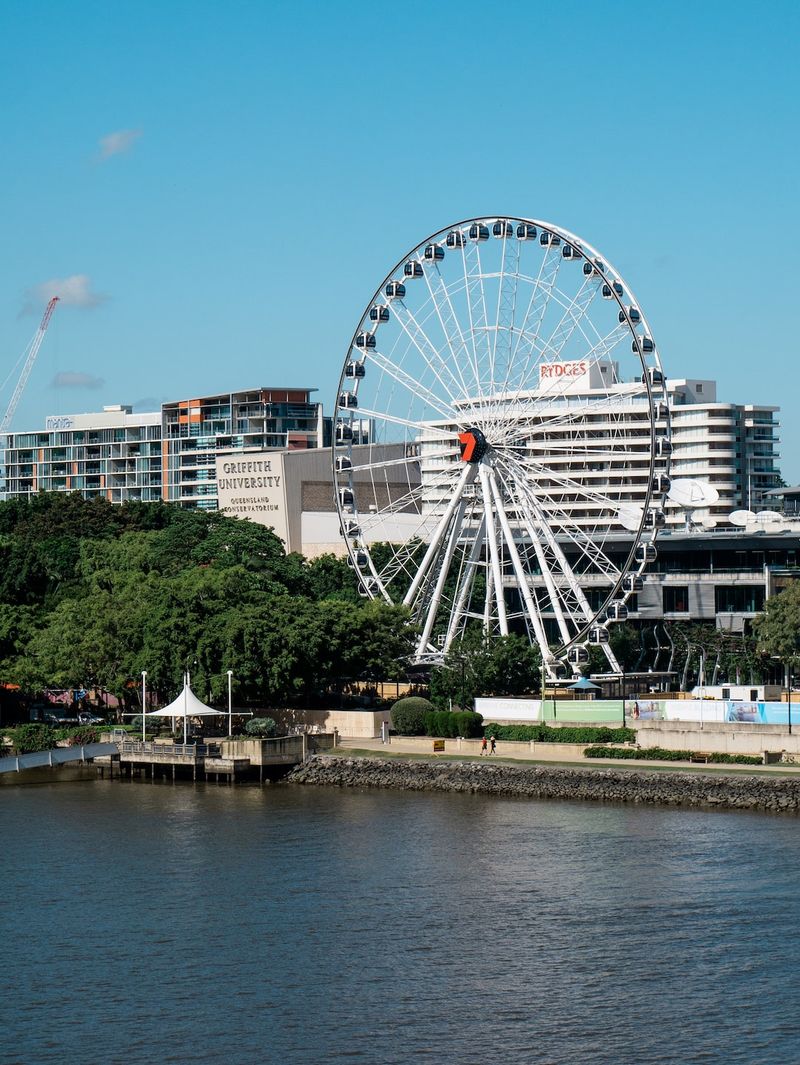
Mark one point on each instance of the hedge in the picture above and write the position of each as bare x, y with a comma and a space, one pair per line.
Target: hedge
660, 754
452, 723
548, 734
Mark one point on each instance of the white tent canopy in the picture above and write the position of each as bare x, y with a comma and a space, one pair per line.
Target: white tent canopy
186, 705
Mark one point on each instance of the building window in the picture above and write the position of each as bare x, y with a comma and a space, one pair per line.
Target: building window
675, 598
739, 598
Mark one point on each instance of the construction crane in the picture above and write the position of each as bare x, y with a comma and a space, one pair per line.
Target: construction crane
29, 355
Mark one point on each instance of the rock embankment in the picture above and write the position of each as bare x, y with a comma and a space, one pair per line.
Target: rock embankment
740, 792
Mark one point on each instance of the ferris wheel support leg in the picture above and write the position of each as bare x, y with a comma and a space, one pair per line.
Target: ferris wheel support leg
536, 530
438, 535
494, 552
612, 659
488, 599
522, 581
466, 585
433, 607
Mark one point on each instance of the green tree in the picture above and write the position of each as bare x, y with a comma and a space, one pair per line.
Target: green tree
502, 666
777, 629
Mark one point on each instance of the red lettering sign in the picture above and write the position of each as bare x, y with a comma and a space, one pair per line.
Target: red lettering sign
562, 369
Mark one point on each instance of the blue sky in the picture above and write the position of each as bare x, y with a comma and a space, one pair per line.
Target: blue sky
228, 183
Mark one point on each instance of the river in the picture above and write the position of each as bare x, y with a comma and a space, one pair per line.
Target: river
159, 923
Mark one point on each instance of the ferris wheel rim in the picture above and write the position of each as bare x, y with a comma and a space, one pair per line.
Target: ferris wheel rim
588, 253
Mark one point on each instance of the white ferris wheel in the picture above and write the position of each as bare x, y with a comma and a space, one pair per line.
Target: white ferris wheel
502, 440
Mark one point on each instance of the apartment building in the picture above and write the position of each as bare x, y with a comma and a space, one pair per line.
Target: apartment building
168, 454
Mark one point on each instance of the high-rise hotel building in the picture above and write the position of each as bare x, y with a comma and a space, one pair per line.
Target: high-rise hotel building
732, 447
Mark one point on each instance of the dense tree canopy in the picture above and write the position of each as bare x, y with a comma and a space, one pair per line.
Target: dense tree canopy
777, 630
505, 665
93, 594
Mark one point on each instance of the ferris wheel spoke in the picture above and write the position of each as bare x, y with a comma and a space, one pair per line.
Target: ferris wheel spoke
494, 551
571, 318
538, 303
418, 427
586, 544
479, 325
428, 351
470, 323
406, 460
492, 341
581, 413
595, 354
412, 500
506, 312
448, 321
542, 472
424, 395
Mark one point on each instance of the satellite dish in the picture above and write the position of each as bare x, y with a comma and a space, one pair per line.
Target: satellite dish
687, 492
741, 517
708, 522
630, 516
766, 517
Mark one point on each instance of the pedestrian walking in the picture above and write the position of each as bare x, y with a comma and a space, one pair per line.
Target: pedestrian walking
484, 745
493, 745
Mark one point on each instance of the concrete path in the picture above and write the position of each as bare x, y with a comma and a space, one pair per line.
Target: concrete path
423, 748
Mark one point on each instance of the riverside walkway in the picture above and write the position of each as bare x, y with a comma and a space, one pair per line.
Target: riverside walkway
565, 754
16, 763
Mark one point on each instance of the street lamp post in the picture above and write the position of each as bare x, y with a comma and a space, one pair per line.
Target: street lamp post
789, 693
144, 704
623, 699
230, 711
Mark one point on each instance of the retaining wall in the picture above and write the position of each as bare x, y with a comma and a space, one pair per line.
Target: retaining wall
717, 736
745, 792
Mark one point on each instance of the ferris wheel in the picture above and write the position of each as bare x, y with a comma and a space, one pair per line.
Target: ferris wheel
502, 440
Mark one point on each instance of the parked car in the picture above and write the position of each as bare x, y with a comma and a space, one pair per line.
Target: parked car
86, 717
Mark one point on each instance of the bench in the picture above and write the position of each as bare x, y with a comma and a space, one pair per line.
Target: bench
698, 756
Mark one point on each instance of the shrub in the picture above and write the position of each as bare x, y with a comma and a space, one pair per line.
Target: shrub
261, 726
548, 734
28, 739
79, 737
660, 754
470, 723
409, 716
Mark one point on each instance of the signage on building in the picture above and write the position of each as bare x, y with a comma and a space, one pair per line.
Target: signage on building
561, 377
574, 376
562, 370
59, 421
251, 485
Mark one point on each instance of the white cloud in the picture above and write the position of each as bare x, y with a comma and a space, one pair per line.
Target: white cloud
74, 379
73, 291
119, 142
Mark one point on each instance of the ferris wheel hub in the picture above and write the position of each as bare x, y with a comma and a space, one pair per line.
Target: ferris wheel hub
473, 445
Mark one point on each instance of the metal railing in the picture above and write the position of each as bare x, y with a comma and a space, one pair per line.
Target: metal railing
163, 750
